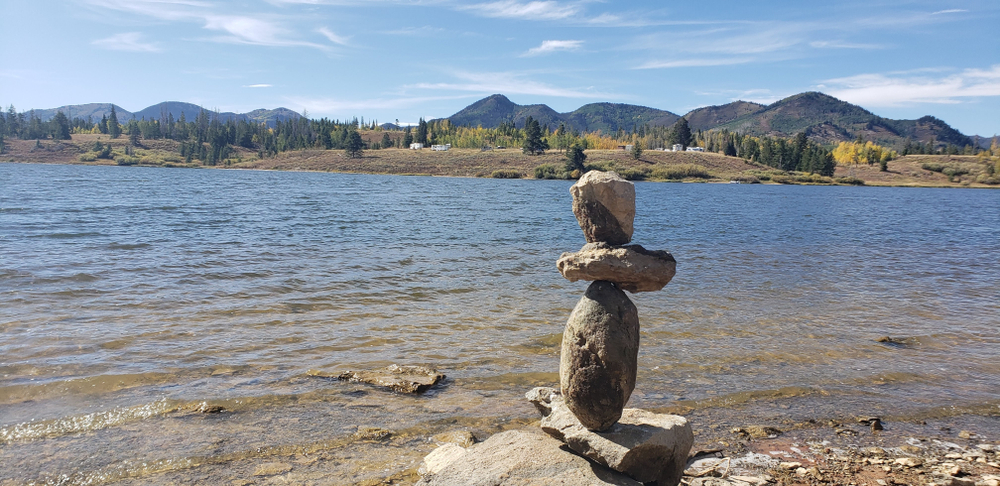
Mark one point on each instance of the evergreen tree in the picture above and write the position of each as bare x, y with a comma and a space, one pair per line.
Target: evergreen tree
636, 149
575, 159
386, 141
134, 133
422, 132
60, 126
113, 127
408, 137
533, 143
102, 126
355, 145
681, 133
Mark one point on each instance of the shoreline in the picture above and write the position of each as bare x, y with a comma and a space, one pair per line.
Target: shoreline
653, 166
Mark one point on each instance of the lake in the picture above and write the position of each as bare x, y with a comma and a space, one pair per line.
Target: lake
129, 296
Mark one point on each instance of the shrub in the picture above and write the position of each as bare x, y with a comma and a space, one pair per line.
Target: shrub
747, 179
677, 172
850, 181
638, 174
932, 166
126, 160
506, 174
87, 157
551, 171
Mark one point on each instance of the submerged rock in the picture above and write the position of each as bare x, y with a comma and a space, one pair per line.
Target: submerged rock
404, 379
598, 362
644, 445
631, 267
516, 458
604, 205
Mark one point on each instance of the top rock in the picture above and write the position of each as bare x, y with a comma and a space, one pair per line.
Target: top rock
604, 205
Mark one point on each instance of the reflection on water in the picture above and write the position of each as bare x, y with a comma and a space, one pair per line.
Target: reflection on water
128, 293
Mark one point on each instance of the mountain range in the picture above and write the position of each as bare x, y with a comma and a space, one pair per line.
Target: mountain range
97, 110
822, 117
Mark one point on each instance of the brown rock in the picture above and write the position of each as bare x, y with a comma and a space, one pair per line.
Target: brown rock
598, 363
404, 379
631, 267
604, 205
644, 445
272, 469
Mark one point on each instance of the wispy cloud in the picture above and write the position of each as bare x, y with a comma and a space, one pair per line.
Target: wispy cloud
889, 90
513, 9
128, 42
949, 11
258, 86
842, 45
550, 46
706, 62
237, 29
332, 37
510, 83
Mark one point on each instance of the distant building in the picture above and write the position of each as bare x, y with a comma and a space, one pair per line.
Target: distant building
696, 149
416, 146
441, 148
621, 147
678, 147
628, 148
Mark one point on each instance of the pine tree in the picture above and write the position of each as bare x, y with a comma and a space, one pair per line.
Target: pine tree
636, 150
681, 133
533, 143
408, 137
386, 141
60, 127
355, 145
113, 127
422, 132
575, 159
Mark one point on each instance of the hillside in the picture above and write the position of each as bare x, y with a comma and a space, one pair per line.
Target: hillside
606, 117
709, 117
93, 110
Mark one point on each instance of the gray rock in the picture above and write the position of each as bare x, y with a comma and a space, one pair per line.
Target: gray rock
404, 379
441, 457
604, 205
600, 347
644, 445
632, 267
519, 458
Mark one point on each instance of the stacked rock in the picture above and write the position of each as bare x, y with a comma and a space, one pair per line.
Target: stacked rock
598, 364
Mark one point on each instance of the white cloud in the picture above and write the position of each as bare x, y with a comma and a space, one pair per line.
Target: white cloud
553, 46
258, 86
705, 62
513, 9
128, 41
509, 83
949, 11
842, 45
336, 39
888, 90
254, 31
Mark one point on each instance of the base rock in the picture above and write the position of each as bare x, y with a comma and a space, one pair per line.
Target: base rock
631, 267
598, 361
644, 445
519, 458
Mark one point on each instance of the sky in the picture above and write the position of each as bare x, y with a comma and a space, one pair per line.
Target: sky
401, 60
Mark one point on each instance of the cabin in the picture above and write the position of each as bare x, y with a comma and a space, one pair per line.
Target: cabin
678, 147
416, 146
628, 148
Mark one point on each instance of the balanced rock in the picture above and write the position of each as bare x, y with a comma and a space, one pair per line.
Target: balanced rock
516, 458
604, 205
598, 362
632, 267
644, 445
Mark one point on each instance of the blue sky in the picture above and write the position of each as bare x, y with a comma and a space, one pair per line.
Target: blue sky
405, 59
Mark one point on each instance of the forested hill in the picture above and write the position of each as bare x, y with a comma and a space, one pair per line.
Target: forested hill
491, 111
162, 110
823, 118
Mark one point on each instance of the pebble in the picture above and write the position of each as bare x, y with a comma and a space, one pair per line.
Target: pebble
909, 461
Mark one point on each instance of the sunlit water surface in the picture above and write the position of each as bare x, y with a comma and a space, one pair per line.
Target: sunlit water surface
128, 296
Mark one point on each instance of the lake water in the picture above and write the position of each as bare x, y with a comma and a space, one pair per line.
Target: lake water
128, 296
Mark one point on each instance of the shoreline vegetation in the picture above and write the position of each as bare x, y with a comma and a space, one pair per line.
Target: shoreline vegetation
922, 170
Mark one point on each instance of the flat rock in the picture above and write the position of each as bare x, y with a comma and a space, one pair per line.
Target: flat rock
519, 458
644, 445
604, 205
598, 361
403, 379
631, 267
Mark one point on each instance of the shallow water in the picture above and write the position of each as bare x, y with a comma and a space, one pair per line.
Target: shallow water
130, 295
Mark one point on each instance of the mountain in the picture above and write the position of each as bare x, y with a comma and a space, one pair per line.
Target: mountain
829, 120
709, 117
175, 108
607, 117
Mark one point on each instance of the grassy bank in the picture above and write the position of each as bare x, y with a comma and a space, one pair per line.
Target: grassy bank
914, 170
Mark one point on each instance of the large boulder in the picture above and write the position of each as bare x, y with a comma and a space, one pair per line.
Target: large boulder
604, 205
632, 267
644, 445
600, 348
516, 458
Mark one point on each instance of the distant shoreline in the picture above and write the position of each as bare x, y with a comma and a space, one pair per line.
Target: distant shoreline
659, 166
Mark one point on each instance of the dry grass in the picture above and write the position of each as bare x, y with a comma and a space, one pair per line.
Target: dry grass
653, 165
